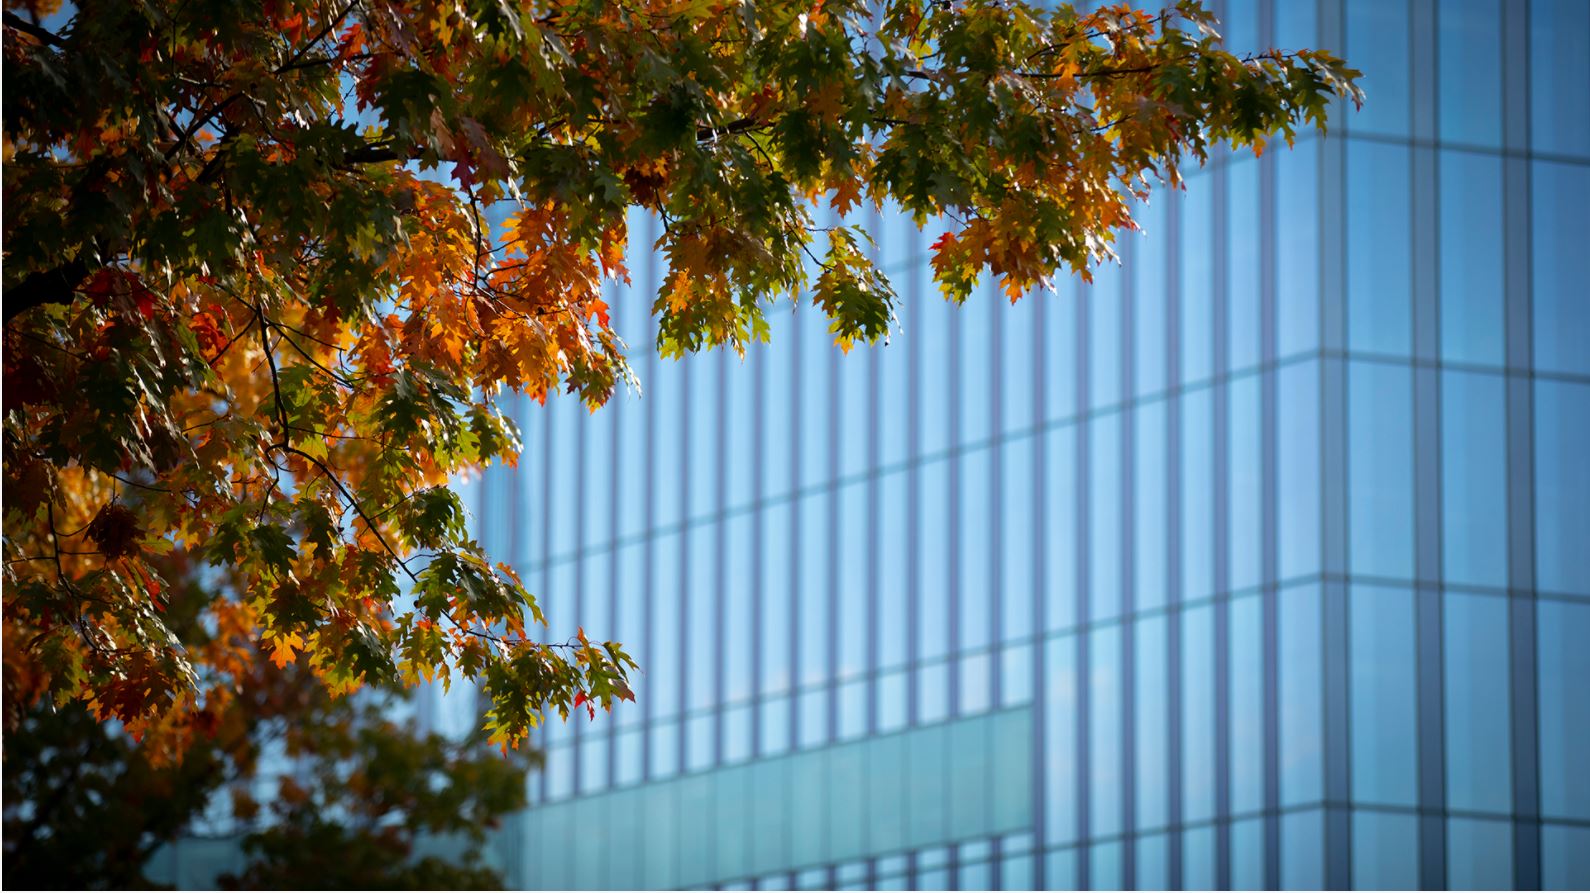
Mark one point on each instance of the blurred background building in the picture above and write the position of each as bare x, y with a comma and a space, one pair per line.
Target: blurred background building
1263, 561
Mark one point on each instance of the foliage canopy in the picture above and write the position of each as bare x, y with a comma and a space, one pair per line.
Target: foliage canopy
255, 312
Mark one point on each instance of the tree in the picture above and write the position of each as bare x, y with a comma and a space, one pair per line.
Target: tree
255, 313
85, 808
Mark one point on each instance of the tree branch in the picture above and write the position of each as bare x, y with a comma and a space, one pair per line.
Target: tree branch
49, 38
57, 286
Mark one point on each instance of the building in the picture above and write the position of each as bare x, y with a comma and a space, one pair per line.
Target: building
1264, 561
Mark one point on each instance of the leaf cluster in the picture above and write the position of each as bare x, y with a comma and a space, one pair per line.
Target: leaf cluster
270, 267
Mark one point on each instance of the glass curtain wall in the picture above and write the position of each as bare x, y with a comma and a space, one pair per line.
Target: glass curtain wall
1273, 542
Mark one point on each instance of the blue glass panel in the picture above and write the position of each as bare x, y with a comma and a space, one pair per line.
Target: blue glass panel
1296, 24
1561, 207
1564, 665
1059, 356
976, 680
811, 618
703, 426
1104, 731
1059, 870
663, 738
1016, 545
1246, 705
1478, 733
812, 723
1104, 517
1015, 873
739, 596
854, 414
1198, 714
1559, 76
1247, 854
1060, 743
813, 398
1470, 58
1562, 486
1383, 701
1380, 469
661, 658
974, 326
1197, 499
1016, 362
936, 319
1297, 428
1198, 858
1104, 335
1297, 246
1015, 675
700, 596
853, 632
1153, 725
1060, 530
1479, 854
932, 556
1379, 245
974, 551
1474, 478
778, 376
775, 715
1150, 266
1104, 866
1385, 850
1245, 495
700, 739
1377, 42
1197, 280
773, 645
893, 572
1153, 862
1303, 850
1150, 529
1565, 857
1242, 257
1471, 258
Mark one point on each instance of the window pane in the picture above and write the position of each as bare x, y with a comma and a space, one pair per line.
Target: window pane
1565, 857
1060, 735
1384, 707
1471, 258
1198, 714
1244, 545
1150, 515
1478, 733
1471, 62
1474, 478
1104, 731
1246, 678
1562, 486
1379, 280
1197, 499
1297, 247
1559, 81
1152, 722
1479, 854
1301, 686
1385, 851
1377, 44
1104, 516
1562, 314
1380, 469
1197, 280
1303, 850
1242, 250
1564, 628
1297, 472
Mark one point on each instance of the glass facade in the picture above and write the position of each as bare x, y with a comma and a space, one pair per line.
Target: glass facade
1263, 561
